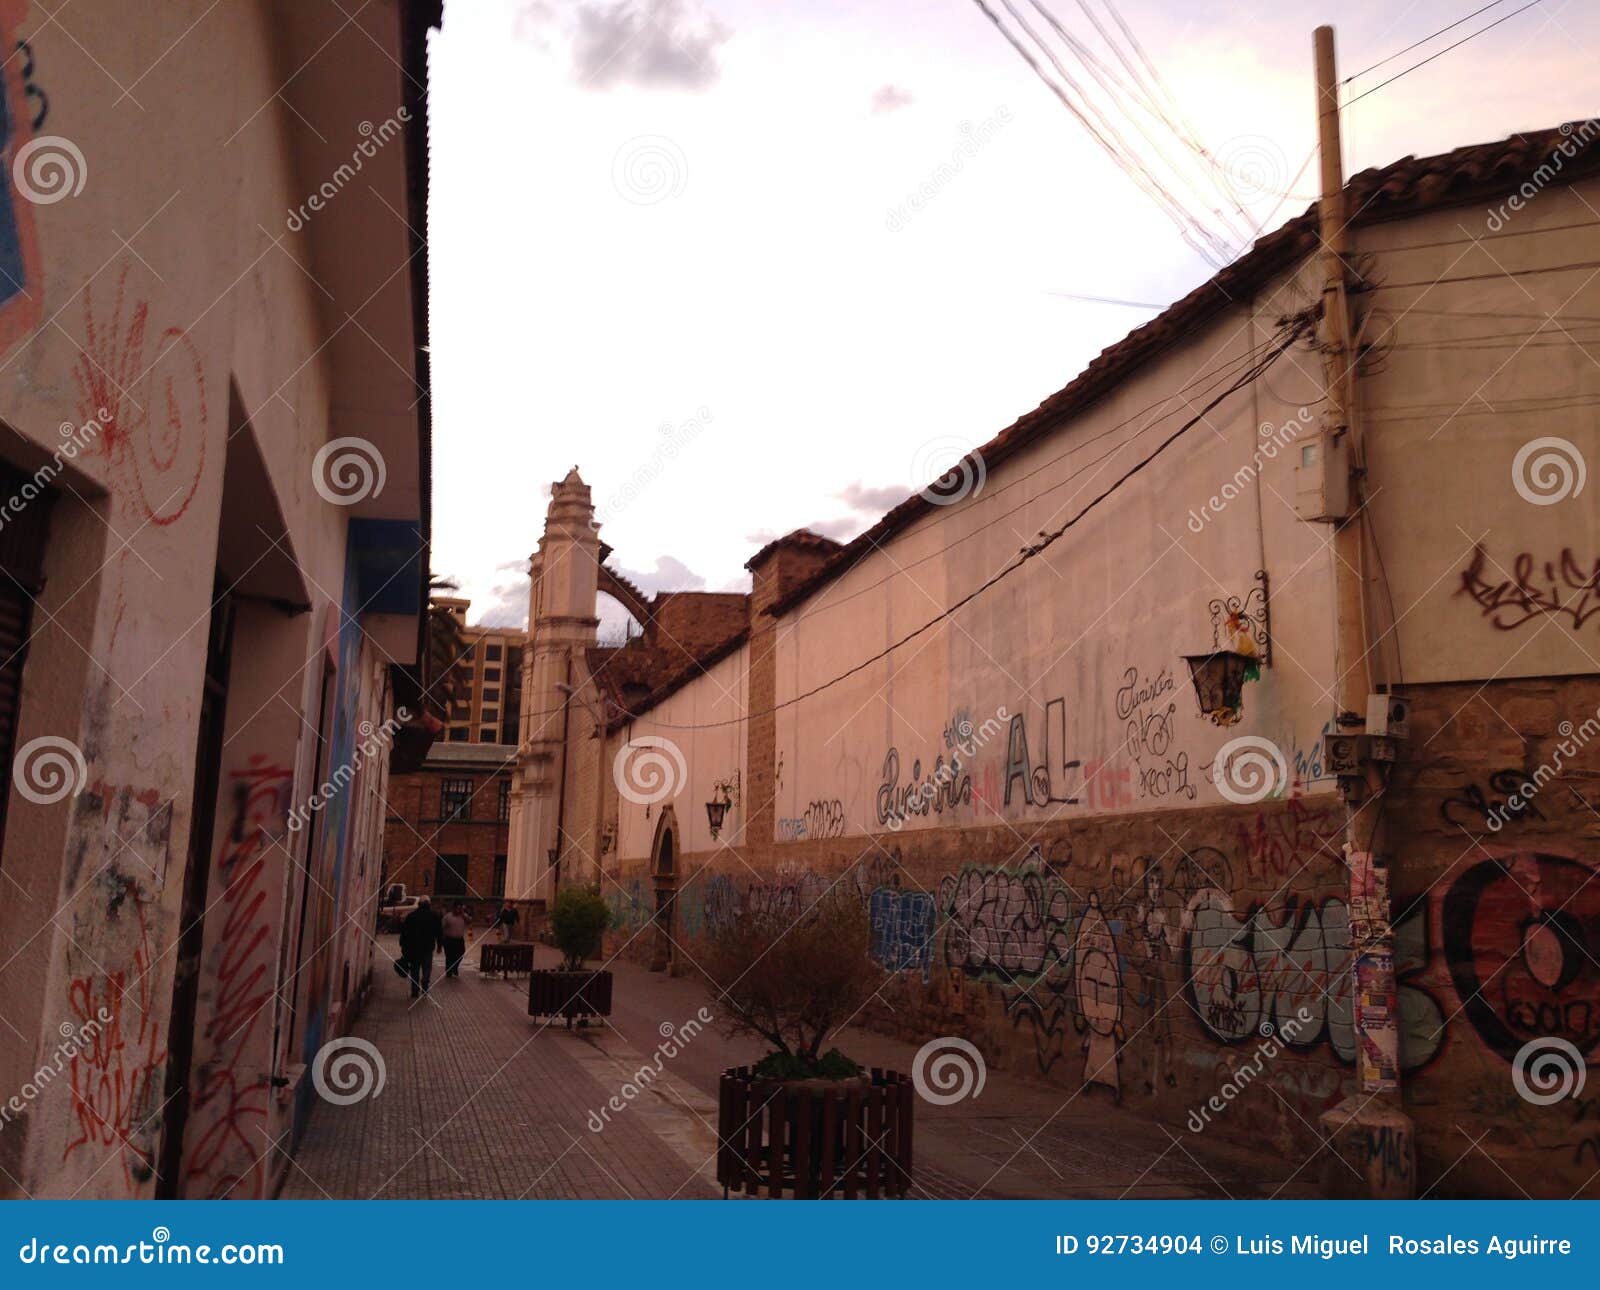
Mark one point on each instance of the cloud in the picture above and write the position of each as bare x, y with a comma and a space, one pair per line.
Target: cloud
650, 44
839, 530
669, 575
891, 98
858, 497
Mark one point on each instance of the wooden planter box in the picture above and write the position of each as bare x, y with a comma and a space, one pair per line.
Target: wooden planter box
815, 1138
505, 957
553, 992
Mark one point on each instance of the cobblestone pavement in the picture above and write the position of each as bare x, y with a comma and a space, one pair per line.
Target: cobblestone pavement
479, 1101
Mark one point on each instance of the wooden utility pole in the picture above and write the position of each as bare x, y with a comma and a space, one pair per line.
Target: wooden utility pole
1369, 1130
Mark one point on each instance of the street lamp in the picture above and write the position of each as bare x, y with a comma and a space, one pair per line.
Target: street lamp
717, 809
1219, 678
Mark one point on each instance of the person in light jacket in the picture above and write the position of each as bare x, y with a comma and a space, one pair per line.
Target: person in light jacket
453, 929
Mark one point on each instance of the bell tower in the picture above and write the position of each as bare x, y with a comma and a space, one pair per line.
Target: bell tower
562, 622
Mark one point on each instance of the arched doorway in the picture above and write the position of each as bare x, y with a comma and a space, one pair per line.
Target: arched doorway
664, 879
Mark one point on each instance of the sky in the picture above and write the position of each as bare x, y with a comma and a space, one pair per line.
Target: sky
753, 265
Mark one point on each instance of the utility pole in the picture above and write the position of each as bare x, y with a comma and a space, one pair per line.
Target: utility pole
1369, 1132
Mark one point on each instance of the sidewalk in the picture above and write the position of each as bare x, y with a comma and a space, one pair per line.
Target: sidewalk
481, 1102
1018, 1139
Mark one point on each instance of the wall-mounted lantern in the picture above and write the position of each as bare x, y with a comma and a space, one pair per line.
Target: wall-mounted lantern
724, 793
1219, 678
717, 811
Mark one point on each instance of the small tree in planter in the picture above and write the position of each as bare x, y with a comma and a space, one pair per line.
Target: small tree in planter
578, 919
802, 1119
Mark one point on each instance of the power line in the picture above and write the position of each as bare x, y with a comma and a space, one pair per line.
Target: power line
1488, 277
1494, 4
1442, 52
1026, 554
1130, 164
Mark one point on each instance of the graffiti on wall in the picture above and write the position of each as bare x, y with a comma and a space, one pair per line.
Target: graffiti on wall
1517, 936
1146, 707
821, 819
23, 107
231, 1091
117, 1081
1562, 587
1475, 808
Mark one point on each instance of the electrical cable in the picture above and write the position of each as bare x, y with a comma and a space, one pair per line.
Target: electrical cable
1029, 552
1382, 61
1441, 53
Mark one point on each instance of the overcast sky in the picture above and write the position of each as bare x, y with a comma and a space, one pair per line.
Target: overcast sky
674, 242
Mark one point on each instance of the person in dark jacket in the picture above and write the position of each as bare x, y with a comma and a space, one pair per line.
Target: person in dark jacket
420, 935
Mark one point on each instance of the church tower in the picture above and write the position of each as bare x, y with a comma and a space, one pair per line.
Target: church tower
562, 623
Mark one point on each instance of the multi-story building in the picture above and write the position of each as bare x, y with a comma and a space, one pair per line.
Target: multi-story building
1070, 722
488, 676
448, 824
214, 392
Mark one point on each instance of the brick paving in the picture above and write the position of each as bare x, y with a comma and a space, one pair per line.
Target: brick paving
1021, 1138
481, 1102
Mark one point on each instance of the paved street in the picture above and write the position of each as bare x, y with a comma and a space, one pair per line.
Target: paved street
479, 1101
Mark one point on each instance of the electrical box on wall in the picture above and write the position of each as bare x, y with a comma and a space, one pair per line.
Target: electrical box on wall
1322, 478
1388, 716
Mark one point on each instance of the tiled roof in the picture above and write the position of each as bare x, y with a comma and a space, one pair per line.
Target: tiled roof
803, 538
1405, 187
459, 753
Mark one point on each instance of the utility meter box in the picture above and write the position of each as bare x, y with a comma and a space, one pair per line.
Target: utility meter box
1388, 716
1322, 477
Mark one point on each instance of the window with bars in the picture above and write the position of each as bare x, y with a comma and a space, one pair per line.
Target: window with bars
457, 800
505, 800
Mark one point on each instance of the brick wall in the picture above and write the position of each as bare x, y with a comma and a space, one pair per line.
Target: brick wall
1143, 958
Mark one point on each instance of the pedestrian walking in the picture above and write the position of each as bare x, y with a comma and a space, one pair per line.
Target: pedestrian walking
453, 927
420, 934
506, 921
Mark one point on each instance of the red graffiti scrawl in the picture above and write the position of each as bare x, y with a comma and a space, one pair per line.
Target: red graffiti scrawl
231, 1098
116, 1081
142, 407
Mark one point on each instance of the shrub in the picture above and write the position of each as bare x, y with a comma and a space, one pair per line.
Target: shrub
792, 977
577, 919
